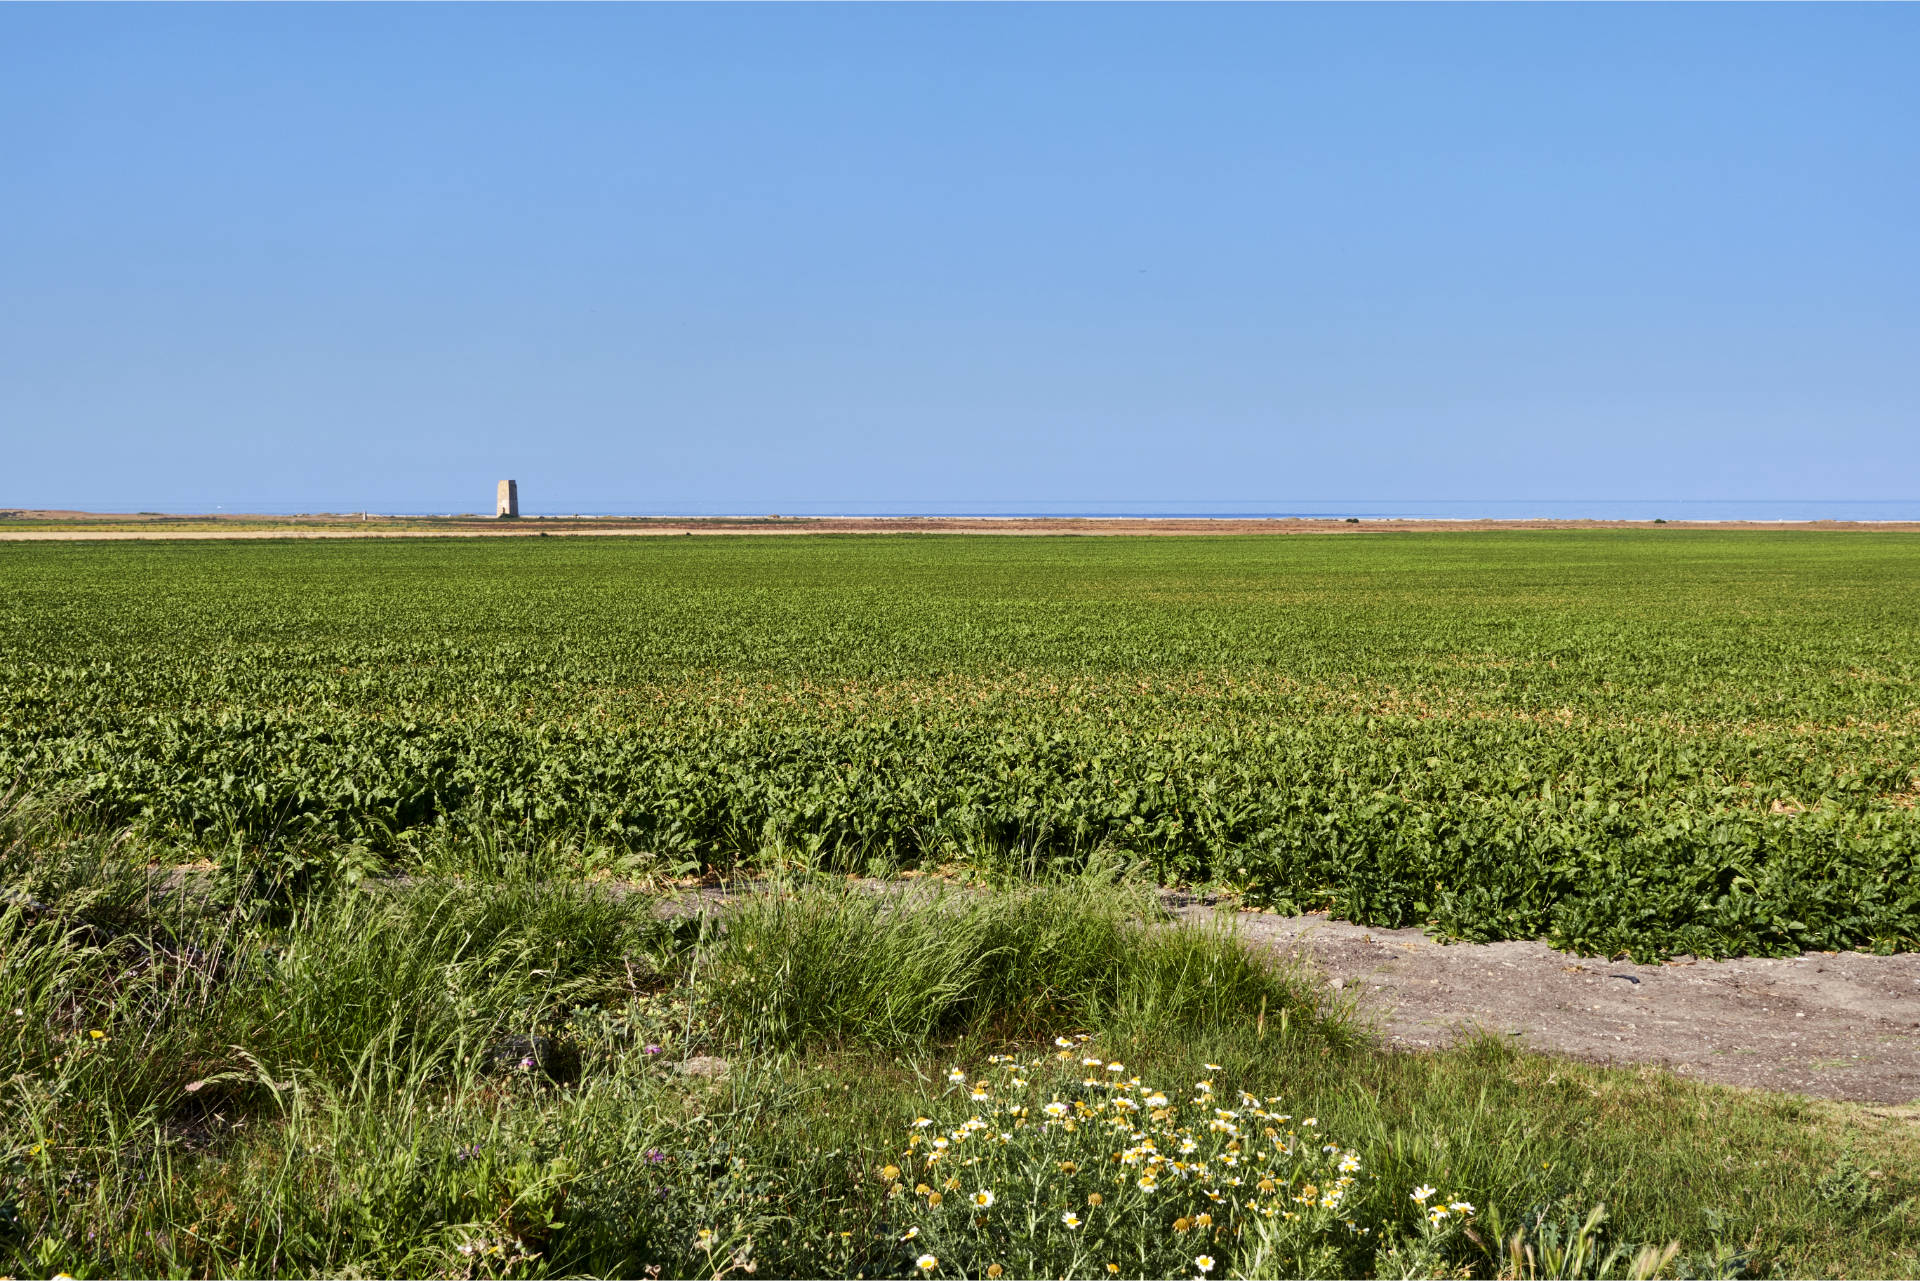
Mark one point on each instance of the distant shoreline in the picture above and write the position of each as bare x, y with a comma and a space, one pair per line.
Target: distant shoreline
20, 525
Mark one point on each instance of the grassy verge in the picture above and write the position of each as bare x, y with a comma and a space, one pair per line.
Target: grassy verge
500, 1077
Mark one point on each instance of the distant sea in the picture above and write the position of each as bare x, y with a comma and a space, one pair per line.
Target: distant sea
1365, 509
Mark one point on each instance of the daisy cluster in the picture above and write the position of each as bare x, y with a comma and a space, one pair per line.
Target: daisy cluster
1070, 1162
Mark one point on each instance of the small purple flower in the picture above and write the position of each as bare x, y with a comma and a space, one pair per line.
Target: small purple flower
527, 1063
652, 1049
655, 1156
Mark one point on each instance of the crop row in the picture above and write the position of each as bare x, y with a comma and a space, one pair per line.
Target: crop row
1704, 744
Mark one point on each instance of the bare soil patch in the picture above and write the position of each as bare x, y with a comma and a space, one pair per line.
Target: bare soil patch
1842, 1025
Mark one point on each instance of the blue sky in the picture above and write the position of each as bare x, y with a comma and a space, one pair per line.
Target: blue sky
746, 258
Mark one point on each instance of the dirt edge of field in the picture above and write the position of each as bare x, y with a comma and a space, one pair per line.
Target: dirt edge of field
1839, 1025
1842, 1026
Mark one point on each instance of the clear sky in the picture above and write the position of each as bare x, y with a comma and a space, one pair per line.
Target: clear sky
746, 258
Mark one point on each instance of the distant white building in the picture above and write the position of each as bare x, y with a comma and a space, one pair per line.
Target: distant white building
507, 501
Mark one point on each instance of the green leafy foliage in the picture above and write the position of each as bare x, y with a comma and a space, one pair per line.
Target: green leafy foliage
1623, 742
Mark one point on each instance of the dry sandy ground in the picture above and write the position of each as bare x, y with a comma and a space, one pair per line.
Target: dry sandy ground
26, 526
1840, 1025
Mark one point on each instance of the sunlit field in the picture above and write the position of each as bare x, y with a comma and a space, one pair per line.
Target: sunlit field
360, 916
1648, 742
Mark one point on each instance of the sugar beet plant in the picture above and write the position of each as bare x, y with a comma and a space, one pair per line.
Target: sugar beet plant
1644, 742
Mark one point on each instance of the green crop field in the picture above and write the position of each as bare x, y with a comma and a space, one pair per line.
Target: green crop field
1646, 742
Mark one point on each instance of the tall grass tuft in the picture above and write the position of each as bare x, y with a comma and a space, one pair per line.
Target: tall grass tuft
848, 964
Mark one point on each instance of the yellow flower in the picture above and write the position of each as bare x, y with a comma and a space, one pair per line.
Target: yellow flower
982, 1199
1182, 1223
995, 1271
926, 1263
1071, 1219
1114, 1268
1203, 1220
934, 1199
97, 1035
1095, 1199
921, 1189
1069, 1167
952, 1184
889, 1172
704, 1238
1204, 1262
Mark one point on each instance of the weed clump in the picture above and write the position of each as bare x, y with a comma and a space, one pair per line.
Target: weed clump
1068, 1164
906, 967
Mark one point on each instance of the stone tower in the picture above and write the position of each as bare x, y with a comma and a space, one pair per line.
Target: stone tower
507, 502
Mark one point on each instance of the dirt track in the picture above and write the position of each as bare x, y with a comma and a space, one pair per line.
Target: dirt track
1840, 1025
